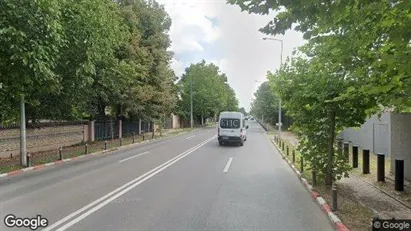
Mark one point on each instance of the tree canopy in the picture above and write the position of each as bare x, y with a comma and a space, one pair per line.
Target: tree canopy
78, 59
369, 39
211, 92
355, 61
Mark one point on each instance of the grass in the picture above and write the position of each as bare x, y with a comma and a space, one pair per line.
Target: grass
11, 164
353, 214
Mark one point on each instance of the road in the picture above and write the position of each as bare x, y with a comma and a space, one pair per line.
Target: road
184, 183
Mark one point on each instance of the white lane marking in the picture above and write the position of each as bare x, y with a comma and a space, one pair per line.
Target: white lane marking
126, 187
190, 137
228, 164
131, 157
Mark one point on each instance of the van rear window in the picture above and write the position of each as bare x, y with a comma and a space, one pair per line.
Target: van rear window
230, 123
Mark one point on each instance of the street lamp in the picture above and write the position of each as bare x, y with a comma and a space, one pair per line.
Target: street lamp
191, 102
279, 104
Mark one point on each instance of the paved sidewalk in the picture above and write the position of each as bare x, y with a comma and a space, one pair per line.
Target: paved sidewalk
383, 205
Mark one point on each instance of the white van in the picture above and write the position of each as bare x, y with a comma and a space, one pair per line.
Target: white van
232, 128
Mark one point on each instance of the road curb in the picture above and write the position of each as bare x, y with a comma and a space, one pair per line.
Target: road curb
108, 151
325, 207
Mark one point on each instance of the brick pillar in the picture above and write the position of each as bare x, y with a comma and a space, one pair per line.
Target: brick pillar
91, 133
86, 136
120, 129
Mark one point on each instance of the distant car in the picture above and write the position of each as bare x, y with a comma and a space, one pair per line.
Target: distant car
232, 128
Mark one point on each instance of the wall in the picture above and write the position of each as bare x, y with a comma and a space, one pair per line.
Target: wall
42, 139
401, 141
176, 121
374, 134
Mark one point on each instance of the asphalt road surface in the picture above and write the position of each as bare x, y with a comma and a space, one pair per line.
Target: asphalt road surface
183, 183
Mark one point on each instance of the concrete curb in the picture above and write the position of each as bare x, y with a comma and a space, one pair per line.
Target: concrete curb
325, 207
108, 151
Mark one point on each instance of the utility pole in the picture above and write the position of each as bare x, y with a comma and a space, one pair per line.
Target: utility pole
23, 151
279, 102
191, 96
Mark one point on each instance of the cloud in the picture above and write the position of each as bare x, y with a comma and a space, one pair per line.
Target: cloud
191, 26
222, 34
177, 66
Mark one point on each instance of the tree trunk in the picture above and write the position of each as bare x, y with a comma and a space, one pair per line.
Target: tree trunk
330, 161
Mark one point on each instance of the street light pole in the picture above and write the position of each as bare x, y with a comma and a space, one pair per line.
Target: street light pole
191, 99
279, 101
23, 150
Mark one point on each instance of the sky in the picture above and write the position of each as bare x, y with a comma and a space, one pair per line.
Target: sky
220, 33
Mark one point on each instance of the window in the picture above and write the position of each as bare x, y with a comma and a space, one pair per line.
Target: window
230, 123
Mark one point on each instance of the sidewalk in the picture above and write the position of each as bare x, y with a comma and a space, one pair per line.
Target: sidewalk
381, 198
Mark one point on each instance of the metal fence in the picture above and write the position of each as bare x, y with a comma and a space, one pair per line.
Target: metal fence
104, 130
130, 127
146, 126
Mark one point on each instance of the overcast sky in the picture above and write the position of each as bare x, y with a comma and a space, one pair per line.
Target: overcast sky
222, 34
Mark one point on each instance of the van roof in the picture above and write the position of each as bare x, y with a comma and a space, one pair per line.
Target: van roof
232, 114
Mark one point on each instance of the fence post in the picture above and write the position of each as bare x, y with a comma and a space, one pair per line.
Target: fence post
355, 156
334, 197
143, 137
380, 167
302, 163
293, 155
121, 141
61, 153
86, 149
28, 159
105, 145
288, 152
365, 161
134, 136
399, 175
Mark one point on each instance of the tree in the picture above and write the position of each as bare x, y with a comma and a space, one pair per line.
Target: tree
242, 110
265, 104
211, 92
372, 39
355, 57
152, 93
310, 89
31, 38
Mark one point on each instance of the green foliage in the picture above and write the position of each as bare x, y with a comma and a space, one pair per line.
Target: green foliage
371, 40
311, 90
356, 61
211, 92
265, 104
79, 58
31, 37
